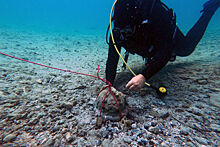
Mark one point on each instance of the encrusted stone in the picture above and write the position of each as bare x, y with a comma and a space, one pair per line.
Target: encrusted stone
110, 108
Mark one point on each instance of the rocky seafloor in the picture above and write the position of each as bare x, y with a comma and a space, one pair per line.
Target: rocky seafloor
44, 107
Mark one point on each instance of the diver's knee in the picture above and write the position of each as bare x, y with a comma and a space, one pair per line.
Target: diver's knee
184, 51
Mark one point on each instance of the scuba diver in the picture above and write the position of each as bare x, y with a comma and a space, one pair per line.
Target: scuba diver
148, 28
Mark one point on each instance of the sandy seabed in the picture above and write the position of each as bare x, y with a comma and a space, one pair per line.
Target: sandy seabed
46, 107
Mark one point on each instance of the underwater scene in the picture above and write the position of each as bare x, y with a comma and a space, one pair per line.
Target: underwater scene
54, 74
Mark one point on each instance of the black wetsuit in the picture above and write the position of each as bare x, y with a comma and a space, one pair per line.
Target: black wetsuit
148, 28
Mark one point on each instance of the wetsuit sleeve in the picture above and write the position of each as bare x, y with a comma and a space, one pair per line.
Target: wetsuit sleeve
112, 61
158, 61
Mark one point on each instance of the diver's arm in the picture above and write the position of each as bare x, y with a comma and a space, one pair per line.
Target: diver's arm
159, 60
112, 61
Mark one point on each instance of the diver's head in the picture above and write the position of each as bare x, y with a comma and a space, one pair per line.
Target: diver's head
127, 12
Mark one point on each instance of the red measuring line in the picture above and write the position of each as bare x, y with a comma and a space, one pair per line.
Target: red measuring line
109, 85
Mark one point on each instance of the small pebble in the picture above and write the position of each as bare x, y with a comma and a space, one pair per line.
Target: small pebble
142, 142
33, 121
39, 81
154, 130
215, 128
127, 140
50, 142
10, 138
184, 132
134, 126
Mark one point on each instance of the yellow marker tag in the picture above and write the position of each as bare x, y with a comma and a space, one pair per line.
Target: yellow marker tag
163, 89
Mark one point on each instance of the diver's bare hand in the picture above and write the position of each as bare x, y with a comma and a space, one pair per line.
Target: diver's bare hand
136, 82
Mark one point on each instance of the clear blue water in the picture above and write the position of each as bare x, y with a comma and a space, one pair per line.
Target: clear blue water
83, 15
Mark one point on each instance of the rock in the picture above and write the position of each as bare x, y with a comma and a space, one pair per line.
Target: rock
105, 133
44, 128
19, 92
179, 110
92, 133
154, 130
146, 126
74, 102
184, 132
27, 129
153, 123
80, 142
134, 126
202, 81
190, 144
141, 133
149, 136
195, 111
10, 145
10, 138
16, 128
142, 142
64, 130
2, 126
50, 142
117, 142
134, 143
25, 82
11, 103
127, 140
127, 124
43, 100
27, 89
110, 108
15, 116
55, 129
152, 143
69, 138
95, 142
40, 115
99, 122
116, 130
106, 143
33, 121
82, 133
215, 99
39, 81
57, 143
65, 105
37, 108
202, 141
160, 112
69, 116
215, 128
135, 131
199, 118
172, 123
163, 144
43, 122
61, 122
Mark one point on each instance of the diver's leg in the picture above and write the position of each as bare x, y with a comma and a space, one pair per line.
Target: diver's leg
185, 45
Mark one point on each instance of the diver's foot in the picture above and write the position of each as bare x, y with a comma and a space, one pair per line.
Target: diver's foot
211, 5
